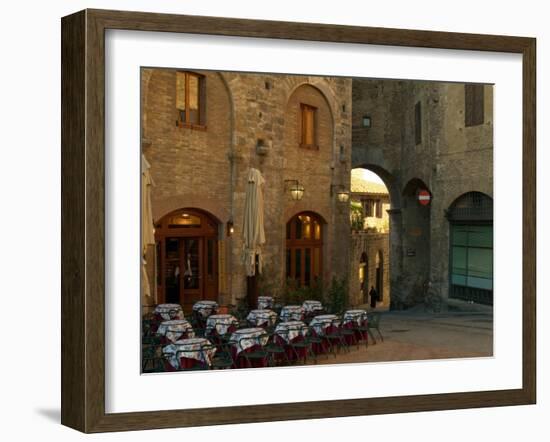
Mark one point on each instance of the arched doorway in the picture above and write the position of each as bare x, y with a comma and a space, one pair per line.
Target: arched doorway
375, 227
364, 277
471, 248
304, 249
380, 275
187, 257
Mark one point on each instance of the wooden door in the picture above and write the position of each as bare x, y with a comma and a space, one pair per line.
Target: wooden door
192, 275
187, 253
304, 246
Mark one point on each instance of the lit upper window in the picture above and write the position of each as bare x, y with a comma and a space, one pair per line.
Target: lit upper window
309, 123
190, 99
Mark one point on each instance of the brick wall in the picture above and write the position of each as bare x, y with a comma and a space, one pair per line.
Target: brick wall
252, 121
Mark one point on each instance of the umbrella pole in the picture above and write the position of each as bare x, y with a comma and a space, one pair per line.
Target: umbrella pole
252, 287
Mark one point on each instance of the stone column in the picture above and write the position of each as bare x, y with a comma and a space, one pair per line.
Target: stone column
396, 257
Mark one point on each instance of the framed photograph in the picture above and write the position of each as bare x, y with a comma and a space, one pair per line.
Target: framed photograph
266, 221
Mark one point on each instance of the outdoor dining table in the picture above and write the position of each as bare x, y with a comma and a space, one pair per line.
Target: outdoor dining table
221, 324
291, 331
247, 340
320, 323
353, 318
205, 308
169, 311
358, 316
311, 306
265, 302
186, 353
262, 317
292, 313
176, 329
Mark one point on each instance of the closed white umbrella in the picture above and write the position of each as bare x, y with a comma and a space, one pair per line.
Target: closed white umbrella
147, 226
253, 223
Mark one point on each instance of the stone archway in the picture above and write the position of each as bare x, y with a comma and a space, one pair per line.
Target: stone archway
394, 265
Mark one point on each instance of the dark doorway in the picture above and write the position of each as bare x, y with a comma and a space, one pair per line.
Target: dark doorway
364, 277
187, 257
380, 275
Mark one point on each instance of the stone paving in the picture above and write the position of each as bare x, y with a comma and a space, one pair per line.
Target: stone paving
417, 335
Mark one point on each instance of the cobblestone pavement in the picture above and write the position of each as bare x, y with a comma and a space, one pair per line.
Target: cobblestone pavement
419, 335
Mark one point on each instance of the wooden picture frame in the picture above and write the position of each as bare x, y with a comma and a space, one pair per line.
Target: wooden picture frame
83, 216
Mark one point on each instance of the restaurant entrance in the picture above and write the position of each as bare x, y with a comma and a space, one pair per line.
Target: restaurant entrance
187, 257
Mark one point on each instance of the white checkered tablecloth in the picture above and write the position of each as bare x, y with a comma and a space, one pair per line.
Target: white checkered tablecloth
248, 337
220, 323
291, 330
175, 328
191, 348
359, 316
265, 302
164, 311
205, 308
321, 322
261, 317
312, 306
292, 313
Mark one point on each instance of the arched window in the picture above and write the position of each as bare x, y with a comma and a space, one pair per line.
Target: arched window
472, 206
471, 248
304, 246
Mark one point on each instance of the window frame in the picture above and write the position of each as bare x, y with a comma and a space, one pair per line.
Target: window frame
201, 100
378, 210
418, 123
474, 104
303, 108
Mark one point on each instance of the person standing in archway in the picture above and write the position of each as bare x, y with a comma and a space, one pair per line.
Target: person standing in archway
373, 296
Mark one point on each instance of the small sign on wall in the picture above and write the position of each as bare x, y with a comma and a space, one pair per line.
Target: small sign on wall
411, 251
424, 197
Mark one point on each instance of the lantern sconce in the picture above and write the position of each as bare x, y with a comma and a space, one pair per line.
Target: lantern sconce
341, 193
230, 228
296, 189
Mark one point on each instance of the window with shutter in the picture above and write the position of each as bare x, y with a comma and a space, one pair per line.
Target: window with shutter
474, 104
190, 100
417, 123
378, 209
309, 122
368, 207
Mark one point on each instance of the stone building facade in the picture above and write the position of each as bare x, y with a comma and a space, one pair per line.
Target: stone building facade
436, 137
201, 144
311, 131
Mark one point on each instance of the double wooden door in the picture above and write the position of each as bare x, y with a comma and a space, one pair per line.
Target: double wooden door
187, 260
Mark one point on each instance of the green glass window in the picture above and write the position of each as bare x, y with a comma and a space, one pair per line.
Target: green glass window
472, 256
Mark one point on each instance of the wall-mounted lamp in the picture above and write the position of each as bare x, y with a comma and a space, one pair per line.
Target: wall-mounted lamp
367, 122
230, 228
296, 189
341, 193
